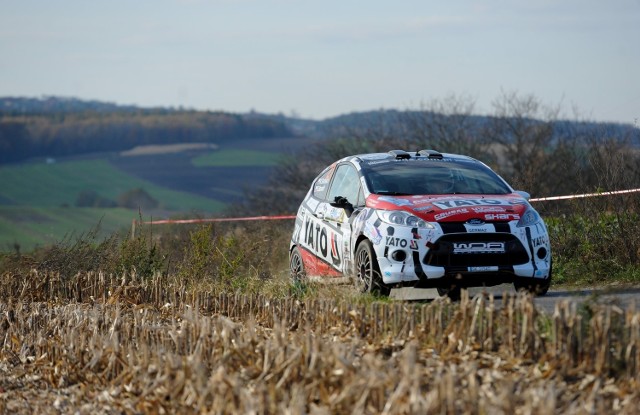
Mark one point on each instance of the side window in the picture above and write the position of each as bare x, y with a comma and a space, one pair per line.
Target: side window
346, 183
321, 185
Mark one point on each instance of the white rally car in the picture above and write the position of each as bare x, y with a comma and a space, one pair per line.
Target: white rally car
420, 219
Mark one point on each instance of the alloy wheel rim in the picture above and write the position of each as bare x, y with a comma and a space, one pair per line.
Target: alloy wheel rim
364, 270
296, 266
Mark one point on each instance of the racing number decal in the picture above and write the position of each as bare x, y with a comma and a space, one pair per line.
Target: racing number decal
317, 239
335, 253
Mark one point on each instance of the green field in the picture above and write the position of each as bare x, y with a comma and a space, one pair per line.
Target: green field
32, 227
37, 201
237, 158
56, 185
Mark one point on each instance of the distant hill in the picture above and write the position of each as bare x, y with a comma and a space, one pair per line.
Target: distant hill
395, 123
54, 127
58, 126
58, 105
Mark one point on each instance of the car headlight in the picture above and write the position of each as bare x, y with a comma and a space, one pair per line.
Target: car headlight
530, 217
399, 217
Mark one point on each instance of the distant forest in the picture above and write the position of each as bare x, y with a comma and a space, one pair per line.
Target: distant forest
55, 126
51, 127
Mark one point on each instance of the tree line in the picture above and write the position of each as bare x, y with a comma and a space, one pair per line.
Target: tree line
54, 134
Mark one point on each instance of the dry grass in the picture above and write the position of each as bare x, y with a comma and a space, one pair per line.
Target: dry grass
124, 346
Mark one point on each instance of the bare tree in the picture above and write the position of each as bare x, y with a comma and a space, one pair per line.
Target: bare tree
519, 136
446, 125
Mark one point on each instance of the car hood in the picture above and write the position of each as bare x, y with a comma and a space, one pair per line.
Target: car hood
455, 208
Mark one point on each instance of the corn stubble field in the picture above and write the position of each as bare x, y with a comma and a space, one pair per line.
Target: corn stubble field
97, 344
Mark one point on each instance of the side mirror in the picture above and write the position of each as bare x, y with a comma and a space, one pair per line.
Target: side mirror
342, 203
524, 194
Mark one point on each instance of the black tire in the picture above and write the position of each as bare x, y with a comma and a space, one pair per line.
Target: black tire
453, 292
296, 266
367, 273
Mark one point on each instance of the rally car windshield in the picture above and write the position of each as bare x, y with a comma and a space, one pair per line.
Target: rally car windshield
424, 177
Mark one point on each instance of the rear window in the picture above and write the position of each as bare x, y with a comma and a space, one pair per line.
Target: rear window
420, 177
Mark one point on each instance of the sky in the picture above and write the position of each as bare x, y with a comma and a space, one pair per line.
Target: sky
318, 59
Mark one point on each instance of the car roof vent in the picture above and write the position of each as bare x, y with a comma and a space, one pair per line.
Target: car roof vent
432, 154
400, 154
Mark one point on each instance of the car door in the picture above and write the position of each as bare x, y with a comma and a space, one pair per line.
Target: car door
344, 197
314, 236
325, 225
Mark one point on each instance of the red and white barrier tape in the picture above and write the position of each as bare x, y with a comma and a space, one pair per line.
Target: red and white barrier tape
617, 192
282, 217
186, 221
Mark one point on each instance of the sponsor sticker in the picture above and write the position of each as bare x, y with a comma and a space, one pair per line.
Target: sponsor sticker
335, 214
540, 240
475, 222
449, 204
391, 241
374, 162
373, 233
483, 269
448, 213
396, 201
502, 216
489, 209
475, 229
422, 201
478, 248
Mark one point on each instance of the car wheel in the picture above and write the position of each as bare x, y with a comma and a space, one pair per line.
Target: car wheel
453, 292
367, 276
296, 266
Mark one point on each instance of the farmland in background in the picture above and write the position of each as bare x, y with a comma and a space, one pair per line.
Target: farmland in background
237, 158
59, 184
38, 199
69, 166
23, 228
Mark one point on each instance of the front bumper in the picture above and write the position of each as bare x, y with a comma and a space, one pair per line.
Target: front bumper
431, 257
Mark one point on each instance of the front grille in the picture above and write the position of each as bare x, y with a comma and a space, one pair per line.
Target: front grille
443, 251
